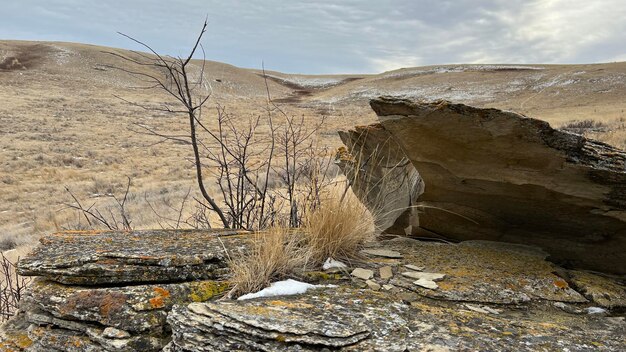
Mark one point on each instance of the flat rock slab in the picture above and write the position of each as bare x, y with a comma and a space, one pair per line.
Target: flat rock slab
385, 253
96, 258
136, 308
604, 291
363, 320
482, 271
497, 175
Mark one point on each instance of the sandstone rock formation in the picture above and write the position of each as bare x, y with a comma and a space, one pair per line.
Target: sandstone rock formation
382, 177
497, 175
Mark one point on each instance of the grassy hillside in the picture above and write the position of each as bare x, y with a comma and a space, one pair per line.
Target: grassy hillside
61, 124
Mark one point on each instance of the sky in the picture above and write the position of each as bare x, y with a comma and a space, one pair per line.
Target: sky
340, 36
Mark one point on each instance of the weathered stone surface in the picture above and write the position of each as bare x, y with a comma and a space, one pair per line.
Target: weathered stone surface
382, 177
496, 175
382, 252
136, 309
364, 274
91, 258
481, 271
512, 280
363, 320
385, 272
601, 290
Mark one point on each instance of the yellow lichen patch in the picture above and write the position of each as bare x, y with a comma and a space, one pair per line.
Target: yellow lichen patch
205, 290
258, 310
279, 303
446, 285
322, 276
23, 341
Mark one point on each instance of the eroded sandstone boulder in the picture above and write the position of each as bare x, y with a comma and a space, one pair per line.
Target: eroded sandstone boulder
496, 175
382, 177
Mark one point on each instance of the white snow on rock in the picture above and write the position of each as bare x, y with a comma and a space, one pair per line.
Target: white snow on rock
331, 263
282, 288
309, 82
595, 310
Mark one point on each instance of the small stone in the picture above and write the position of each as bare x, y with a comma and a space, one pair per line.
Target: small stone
414, 267
373, 285
388, 287
385, 272
482, 309
361, 273
408, 296
386, 253
114, 333
425, 276
426, 283
567, 308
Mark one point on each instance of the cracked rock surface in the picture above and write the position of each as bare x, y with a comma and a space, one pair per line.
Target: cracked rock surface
94, 258
487, 296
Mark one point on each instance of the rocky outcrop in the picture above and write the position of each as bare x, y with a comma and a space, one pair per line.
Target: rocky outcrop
112, 291
487, 296
85, 258
493, 296
497, 175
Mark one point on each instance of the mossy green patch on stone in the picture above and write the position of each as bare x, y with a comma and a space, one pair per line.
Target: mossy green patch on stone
204, 290
316, 276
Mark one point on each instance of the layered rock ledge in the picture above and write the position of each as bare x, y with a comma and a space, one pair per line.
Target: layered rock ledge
496, 175
112, 291
488, 296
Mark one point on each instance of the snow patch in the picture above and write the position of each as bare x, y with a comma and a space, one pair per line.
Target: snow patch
309, 82
282, 288
456, 69
595, 310
331, 263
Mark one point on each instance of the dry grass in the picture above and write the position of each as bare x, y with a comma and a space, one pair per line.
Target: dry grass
275, 255
338, 227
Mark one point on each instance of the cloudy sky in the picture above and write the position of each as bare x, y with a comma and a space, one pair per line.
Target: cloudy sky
340, 36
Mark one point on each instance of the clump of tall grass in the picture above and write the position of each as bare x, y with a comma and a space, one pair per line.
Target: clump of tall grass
275, 254
338, 226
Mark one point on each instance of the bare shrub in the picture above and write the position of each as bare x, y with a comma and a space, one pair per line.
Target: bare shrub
584, 126
338, 226
275, 255
112, 217
11, 287
241, 152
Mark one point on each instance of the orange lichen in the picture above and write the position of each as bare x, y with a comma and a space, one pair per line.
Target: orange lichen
562, 284
162, 292
157, 302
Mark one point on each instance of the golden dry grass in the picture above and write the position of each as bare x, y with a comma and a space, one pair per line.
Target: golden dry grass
338, 227
276, 254
60, 124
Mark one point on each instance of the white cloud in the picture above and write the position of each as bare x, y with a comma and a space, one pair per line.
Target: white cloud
347, 36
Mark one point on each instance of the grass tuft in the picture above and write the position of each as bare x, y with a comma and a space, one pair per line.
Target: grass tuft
275, 255
338, 227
